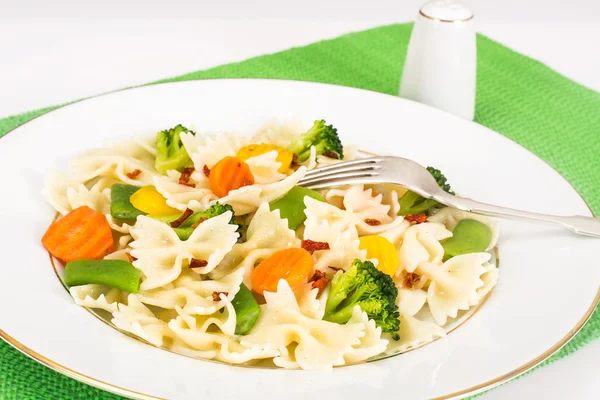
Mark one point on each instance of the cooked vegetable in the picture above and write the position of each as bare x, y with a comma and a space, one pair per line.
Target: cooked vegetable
325, 139
230, 173
469, 236
383, 250
372, 290
114, 273
120, 204
82, 233
311, 246
185, 230
291, 205
182, 218
412, 203
294, 265
284, 156
170, 153
247, 310
148, 200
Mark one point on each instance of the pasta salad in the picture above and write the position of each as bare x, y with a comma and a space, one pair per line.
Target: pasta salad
205, 245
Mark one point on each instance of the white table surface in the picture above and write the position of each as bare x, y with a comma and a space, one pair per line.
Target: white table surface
52, 52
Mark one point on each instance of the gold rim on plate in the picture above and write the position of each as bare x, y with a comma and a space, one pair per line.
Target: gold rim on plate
468, 391
445, 20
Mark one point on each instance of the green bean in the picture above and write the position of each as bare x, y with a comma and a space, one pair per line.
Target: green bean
291, 205
114, 273
469, 236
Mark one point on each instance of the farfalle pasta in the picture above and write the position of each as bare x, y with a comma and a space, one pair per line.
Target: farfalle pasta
203, 244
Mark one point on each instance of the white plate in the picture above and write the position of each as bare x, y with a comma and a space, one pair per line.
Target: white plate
548, 284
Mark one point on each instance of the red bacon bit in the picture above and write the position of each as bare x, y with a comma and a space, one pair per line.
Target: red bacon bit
319, 281
336, 269
316, 276
294, 160
186, 174
417, 219
311, 246
197, 224
372, 222
130, 257
195, 263
133, 174
206, 171
331, 154
186, 214
410, 279
217, 295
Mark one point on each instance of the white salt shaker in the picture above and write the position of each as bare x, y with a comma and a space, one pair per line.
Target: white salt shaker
441, 62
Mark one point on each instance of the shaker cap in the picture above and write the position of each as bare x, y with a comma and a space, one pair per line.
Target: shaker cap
446, 11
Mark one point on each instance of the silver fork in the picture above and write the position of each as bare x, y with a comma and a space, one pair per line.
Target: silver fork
414, 177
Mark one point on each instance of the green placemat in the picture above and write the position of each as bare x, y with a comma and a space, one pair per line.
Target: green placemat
554, 117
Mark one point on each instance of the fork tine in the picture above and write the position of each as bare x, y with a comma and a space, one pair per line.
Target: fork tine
356, 168
333, 178
343, 179
361, 161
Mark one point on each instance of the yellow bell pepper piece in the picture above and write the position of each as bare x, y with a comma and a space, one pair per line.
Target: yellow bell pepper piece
150, 201
383, 250
284, 156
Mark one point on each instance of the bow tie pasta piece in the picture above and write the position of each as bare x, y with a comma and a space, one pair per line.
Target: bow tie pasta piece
136, 318
413, 332
279, 133
247, 199
179, 196
266, 234
308, 301
265, 168
410, 301
97, 296
210, 149
489, 278
66, 194
318, 344
117, 225
451, 216
311, 161
361, 202
454, 285
395, 234
160, 253
343, 247
117, 162
391, 195
422, 244
192, 294
318, 211
140, 147
216, 343
371, 343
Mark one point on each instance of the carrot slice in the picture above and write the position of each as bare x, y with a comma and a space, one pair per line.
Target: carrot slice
82, 233
228, 174
294, 265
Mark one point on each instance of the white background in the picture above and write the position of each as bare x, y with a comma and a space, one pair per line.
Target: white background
56, 51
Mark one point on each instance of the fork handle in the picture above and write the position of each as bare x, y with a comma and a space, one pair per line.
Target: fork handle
578, 223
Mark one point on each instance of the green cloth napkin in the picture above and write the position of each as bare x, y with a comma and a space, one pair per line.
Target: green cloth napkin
554, 117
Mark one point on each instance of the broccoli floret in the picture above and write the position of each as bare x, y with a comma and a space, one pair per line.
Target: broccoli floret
372, 290
413, 204
170, 153
212, 211
325, 139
